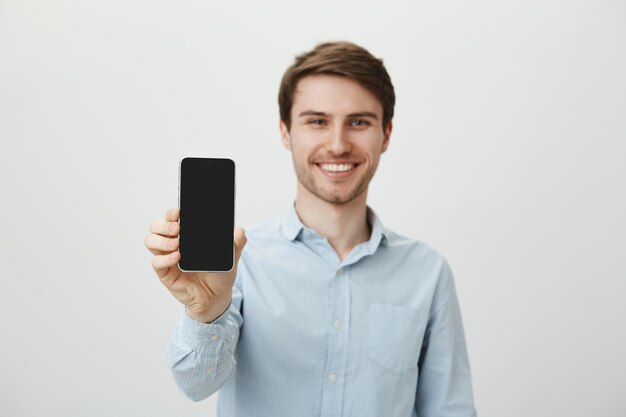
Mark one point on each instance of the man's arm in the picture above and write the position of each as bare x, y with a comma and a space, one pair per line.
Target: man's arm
202, 356
444, 388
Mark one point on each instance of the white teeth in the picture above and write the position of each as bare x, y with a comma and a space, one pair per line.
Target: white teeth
337, 167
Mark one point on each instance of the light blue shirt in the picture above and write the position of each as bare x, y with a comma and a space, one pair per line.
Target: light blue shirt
379, 334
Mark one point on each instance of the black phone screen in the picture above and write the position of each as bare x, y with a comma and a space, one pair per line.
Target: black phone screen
207, 214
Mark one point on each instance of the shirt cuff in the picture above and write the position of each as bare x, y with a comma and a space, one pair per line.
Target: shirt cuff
202, 335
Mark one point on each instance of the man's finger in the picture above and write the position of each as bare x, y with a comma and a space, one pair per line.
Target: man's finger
148, 243
161, 244
165, 228
162, 264
171, 215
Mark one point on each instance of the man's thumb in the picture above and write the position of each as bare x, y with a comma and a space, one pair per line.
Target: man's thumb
240, 242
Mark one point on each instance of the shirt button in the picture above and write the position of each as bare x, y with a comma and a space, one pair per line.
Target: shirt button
338, 324
332, 378
340, 271
215, 337
209, 370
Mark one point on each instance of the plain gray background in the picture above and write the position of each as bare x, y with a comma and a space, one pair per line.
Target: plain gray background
508, 156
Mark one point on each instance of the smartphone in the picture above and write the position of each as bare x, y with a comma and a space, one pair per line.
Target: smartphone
207, 214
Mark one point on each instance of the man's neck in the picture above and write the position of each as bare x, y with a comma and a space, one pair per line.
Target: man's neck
344, 225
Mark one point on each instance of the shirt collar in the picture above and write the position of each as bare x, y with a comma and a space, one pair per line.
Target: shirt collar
291, 227
379, 232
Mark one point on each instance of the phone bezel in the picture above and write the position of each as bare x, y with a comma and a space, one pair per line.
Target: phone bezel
180, 164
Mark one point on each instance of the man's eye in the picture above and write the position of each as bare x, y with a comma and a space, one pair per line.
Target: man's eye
359, 122
317, 122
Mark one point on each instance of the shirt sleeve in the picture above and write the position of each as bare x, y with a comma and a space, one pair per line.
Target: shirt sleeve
201, 355
444, 387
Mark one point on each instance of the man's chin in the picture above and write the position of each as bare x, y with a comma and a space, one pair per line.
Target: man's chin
339, 195
339, 198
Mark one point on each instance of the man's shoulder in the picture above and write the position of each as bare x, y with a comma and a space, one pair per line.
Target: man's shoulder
395, 239
265, 229
417, 249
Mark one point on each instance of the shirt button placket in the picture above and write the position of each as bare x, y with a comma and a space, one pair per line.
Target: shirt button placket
336, 366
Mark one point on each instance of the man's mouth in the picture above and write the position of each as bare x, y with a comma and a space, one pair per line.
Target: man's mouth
337, 167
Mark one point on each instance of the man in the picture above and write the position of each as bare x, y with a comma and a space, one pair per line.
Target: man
328, 313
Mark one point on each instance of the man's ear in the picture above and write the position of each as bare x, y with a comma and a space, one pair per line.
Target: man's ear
284, 135
386, 137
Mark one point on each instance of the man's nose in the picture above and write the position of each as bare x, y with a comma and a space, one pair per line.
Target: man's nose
339, 141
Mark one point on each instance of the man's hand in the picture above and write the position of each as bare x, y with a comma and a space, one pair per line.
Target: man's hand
206, 295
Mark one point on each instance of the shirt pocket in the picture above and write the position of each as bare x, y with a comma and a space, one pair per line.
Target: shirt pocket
395, 334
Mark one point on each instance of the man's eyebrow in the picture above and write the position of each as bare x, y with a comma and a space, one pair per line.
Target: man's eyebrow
321, 113
364, 114
312, 113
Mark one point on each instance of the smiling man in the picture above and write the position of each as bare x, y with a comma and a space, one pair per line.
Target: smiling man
336, 138
328, 313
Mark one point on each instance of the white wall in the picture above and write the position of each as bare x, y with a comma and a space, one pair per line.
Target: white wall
508, 156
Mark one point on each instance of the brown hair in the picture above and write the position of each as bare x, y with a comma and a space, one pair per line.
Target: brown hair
338, 58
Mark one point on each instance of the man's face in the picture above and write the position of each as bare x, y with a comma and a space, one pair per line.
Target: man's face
336, 137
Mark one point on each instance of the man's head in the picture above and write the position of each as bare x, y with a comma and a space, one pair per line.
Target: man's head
344, 59
336, 105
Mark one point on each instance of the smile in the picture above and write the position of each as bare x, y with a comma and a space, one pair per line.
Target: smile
337, 167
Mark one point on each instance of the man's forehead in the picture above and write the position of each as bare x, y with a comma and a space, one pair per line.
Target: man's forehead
333, 94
